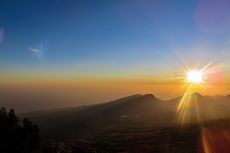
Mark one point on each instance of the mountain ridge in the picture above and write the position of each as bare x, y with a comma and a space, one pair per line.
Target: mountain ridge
125, 99
135, 110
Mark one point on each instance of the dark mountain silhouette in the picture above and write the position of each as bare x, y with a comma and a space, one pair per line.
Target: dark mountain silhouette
138, 123
134, 110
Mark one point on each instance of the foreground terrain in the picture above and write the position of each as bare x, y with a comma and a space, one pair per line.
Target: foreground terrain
139, 124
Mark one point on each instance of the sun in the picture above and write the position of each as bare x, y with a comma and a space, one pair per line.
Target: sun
196, 77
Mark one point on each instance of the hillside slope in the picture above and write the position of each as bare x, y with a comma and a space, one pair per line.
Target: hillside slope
137, 110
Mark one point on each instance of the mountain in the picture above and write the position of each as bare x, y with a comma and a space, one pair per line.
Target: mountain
133, 110
136, 110
137, 123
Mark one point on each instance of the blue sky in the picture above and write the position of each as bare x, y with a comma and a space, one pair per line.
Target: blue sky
56, 53
111, 36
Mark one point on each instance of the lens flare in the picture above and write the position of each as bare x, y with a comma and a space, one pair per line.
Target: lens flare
195, 80
214, 140
39, 52
189, 110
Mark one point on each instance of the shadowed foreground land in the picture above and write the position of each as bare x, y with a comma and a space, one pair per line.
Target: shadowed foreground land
23, 138
137, 124
139, 139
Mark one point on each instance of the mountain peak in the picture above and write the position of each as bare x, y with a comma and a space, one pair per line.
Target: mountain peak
149, 96
197, 94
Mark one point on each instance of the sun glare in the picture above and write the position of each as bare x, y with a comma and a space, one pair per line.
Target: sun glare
195, 77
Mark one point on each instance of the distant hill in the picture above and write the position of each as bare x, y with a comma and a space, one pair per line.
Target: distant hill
132, 111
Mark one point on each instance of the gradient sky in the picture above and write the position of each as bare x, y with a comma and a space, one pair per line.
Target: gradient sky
106, 43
